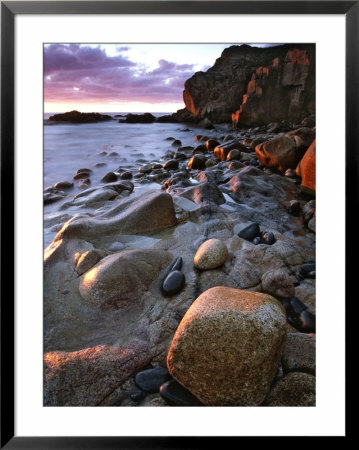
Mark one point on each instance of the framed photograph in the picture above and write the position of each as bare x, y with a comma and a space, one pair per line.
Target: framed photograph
175, 182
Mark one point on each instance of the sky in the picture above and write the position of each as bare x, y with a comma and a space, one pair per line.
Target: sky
122, 77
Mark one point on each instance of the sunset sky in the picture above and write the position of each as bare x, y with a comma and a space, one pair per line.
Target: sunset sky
122, 77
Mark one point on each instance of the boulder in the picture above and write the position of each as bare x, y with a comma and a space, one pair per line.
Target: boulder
294, 389
299, 353
139, 118
281, 153
306, 168
78, 117
228, 346
149, 211
119, 280
221, 151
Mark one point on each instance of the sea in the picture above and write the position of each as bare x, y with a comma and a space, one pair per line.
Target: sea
114, 145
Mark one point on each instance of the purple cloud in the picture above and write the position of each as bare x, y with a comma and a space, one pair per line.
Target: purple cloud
83, 74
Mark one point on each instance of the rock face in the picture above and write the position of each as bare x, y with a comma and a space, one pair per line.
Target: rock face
120, 280
78, 117
150, 211
306, 168
227, 347
256, 85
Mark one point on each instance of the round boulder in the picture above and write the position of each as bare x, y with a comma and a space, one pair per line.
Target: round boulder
228, 346
211, 254
278, 283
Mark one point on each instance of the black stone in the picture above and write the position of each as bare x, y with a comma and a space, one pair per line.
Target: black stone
173, 283
307, 322
249, 232
176, 264
297, 305
176, 395
307, 267
294, 208
268, 238
151, 380
109, 177
311, 274
137, 396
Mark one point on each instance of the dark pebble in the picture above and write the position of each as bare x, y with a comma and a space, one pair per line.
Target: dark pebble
64, 185
109, 177
81, 175
137, 396
173, 283
126, 176
171, 164
83, 170
248, 232
176, 395
151, 380
307, 267
176, 264
297, 305
257, 240
307, 322
294, 208
176, 143
268, 238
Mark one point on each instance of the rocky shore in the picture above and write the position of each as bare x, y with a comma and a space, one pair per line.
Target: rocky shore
200, 291
206, 280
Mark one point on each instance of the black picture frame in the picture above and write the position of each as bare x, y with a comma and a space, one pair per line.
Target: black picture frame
9, 9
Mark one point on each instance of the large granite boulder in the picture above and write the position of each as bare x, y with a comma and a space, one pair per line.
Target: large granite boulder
120, 280
149, 211
228, 345
307, 167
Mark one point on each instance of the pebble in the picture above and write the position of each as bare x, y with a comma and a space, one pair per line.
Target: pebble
211, 143
307, 322
248, 232
83, 170
234, 154
176, 395
137, 396
257, 240
197, 162
146, 168
176, 143
268, 238
171, 164
150, 380
176, 264
294, 208
64, 185
126, 176
210, 255
81, 175
173, 283
109, 177
297, 305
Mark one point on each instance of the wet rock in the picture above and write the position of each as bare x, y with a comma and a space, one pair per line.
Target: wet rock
146, 168
278, 283
307, 322
257, 240
268, 238
171, 164
64, 185
81, 175
214, 343
294, 208
197, 162
176, 143
211, 254
245, 231
221, 151
83, 170
294, 389
109, 178
86, 260
299, 353
53, 197
84, 183
280, 153
150, 380
234, 155
139, 118
126, 175
211, 144
176, 264
306, 168
149, 211
176, 395
173, 283
120, 279
199, 149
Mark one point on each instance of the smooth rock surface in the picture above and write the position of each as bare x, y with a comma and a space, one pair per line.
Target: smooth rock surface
211, 254
150, 380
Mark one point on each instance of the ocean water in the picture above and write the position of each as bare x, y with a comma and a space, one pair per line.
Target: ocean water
68, 147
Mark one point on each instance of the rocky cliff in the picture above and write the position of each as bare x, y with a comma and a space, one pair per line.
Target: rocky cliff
252, 85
